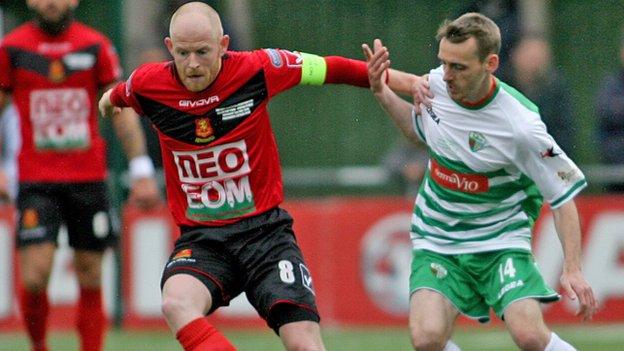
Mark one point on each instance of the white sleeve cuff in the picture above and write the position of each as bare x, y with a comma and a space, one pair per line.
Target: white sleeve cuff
140, 167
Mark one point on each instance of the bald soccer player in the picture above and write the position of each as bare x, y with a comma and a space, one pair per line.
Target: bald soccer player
224, 186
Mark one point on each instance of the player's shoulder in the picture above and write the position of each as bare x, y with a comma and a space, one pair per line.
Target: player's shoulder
151, 72
436, 81
272, 57
243, 57
20, 35
515, 103
87, 32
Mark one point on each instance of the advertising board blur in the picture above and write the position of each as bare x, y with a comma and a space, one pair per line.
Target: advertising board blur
359, 253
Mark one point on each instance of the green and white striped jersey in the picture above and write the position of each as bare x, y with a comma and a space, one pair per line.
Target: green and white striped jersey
490, 167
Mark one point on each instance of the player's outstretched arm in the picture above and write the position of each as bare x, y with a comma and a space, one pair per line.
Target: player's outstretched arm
398, 109
106, 107
572, 280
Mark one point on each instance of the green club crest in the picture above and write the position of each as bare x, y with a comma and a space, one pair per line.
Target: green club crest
476, 141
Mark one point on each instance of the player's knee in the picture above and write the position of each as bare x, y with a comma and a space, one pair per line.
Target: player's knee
34, 278
88, 274
172, 306
303, 344
530, 339
425, 339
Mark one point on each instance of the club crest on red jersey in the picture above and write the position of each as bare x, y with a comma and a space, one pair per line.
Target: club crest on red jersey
56, 71
186, 253
30, 218
203, 130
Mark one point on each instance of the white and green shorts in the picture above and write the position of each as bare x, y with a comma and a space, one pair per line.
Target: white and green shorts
475, 282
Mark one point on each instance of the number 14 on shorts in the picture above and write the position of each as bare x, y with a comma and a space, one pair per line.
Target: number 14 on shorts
506, 269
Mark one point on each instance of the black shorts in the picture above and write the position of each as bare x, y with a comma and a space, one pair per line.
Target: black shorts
82, 207
258, 255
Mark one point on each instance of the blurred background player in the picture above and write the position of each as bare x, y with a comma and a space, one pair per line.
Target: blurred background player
53, 67
534, 74
223, 176
492, 163
10, 140
609, 105
407, 163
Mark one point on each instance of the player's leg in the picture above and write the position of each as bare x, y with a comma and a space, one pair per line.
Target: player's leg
524, 321
184, 299
303, 335
514, 288
196, 282
431, 320
279, 284
36, 242
441, 289
90, 233
91, 320
35, 266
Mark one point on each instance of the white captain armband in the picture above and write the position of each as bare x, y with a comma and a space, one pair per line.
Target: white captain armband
140, 167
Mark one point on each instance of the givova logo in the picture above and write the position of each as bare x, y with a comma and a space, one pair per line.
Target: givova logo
216, 181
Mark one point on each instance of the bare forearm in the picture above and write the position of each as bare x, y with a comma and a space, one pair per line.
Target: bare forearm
4, 98
569, 231
399, 110
130, 133
401, 82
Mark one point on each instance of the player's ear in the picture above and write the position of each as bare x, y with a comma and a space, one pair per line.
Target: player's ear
224, 43
491, 63
169, 45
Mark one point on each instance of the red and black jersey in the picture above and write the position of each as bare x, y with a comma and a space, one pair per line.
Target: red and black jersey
219, 152
54, 81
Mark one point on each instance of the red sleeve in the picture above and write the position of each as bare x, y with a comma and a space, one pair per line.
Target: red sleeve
108, 69
118, 96
6, 81
123, 95
282, 68
341, 70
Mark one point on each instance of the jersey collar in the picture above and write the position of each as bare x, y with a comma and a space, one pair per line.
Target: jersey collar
494, 88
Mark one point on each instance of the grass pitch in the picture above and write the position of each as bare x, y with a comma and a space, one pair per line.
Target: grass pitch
586, 338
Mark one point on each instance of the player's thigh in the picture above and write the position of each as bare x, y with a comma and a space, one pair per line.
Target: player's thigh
431, 314
525, 322
184, 299
87, 211
211, 269
303, 335
279, 284
40, 215
35, 264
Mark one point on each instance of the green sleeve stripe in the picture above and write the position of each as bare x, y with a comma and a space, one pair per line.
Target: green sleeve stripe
314, 69
570, 194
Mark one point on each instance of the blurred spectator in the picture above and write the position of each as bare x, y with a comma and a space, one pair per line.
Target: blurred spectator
10, 136
407, 162
506, 14
610, 113
535, 76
